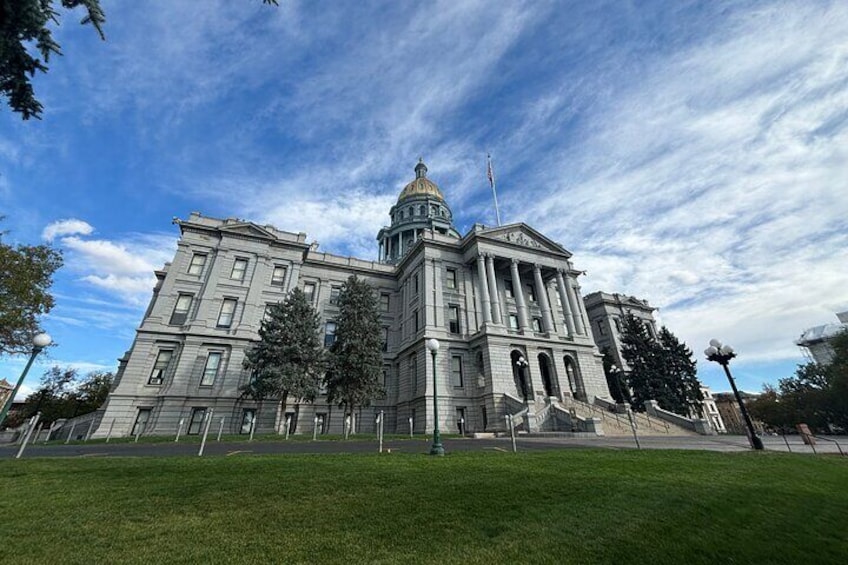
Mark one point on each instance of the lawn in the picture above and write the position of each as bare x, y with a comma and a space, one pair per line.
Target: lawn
574, 506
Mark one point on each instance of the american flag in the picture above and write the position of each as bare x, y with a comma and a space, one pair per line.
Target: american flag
490, 174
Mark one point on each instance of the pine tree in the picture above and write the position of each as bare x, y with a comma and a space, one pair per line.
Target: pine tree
289, 358
641, 353
679, 370
356, 354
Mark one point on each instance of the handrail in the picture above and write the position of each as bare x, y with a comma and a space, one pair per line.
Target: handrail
839, 447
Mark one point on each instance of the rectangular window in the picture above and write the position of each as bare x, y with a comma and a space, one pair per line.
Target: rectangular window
278, 278
415, 283
141, 420
335, 292
531, 293
309, 291
456, 371
239, 268
198, 261
537, 325
617, 325
163, 360
453, 319
385, 339
195, 425
228, 308
210, 371
248, 417
415, 315
451, 278
602, 330
384, 302
329, 334
181, 308
513, 322
508, 291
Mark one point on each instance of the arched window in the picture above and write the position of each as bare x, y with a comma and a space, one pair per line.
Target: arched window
547, 375
520, 374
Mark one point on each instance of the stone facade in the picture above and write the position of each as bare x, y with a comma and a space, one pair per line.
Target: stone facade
606, 312
495, 297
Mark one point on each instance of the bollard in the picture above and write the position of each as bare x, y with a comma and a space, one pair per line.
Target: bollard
380, 431
179, 429
315, 429
288, 426
208, 418
410, 427
220, 429
28, 435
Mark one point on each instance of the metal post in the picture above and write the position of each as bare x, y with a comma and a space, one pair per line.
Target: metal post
633, 427
512, 432
50, 432
252, 427
179, 429
109, 434
88, 431
8, 404
208, 418
786, 441
38, 432
756, 442
220, 429
28, 435
70, 433
437, 448
380, 431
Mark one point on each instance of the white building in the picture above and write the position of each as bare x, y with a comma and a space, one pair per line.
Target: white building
497, 298
815, 342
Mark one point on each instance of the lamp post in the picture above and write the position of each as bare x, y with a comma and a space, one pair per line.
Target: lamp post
522, 364
722, 354
436, 449
39, 342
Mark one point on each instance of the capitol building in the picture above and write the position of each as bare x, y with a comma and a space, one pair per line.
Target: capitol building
504, 302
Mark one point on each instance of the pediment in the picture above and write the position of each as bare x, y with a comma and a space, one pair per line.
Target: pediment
247, 229
525, 236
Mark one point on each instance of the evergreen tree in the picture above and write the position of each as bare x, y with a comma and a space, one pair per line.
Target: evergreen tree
679, 369
615, 379
356, 355
289, 358
641, 353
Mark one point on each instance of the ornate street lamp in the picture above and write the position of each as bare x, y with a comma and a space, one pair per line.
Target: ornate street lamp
722, 354
436, 449
39, 342
522, 365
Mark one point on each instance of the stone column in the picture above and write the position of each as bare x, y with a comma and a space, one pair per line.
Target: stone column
583, 315
484, 289
547, 323
563, 297
493, 290
575, 308
518, 290
400, 244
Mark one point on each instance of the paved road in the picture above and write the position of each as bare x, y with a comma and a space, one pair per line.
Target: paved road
213, 449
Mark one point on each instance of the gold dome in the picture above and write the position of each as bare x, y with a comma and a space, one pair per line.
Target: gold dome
421, 186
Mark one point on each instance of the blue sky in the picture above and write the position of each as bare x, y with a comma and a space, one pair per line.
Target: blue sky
691, 153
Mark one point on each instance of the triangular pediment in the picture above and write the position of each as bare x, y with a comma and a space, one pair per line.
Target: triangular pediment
524, 236
247, 229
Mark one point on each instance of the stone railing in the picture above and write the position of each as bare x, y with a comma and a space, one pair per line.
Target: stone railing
652, 408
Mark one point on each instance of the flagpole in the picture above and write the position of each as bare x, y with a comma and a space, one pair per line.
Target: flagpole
490, 173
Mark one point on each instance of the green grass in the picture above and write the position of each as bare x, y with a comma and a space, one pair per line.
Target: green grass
573, 506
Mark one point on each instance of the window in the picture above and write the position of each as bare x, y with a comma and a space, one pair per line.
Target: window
508, 288
537, 324
239, 268
329, 334
266, 315
163, 360
456, 371
451, 278
415, 283
309, 291
248, 417
210, 371
601, 329
384, 302
228, 308
198, 261
181, 308
513, 322
531, 293
196, 422
278, 278
335, 292
385, 339
421, 210
141, 420
453, 319
617, 324
401, 214
415, 315
385, 377
413, 373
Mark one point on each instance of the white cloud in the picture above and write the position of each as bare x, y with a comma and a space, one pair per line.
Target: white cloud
66, 227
